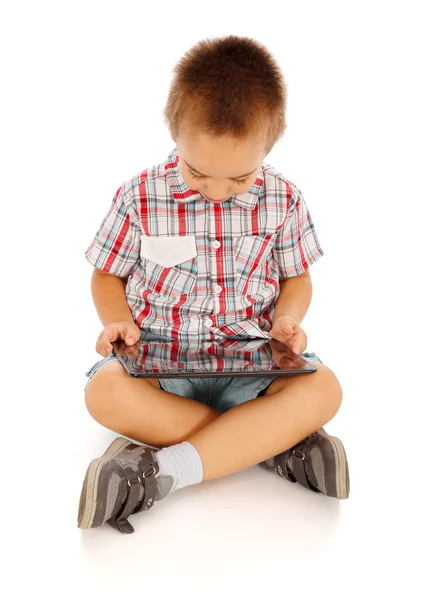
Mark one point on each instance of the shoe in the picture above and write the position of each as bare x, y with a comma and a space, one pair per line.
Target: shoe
120, 483
318, 462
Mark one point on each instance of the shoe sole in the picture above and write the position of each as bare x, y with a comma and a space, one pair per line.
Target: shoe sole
87, 507
342, 481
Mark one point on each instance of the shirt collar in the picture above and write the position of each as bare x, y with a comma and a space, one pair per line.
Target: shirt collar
183, 194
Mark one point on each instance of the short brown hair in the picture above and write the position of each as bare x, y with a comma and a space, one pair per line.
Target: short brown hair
228, 86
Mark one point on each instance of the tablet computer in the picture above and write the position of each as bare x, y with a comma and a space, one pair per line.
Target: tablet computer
229, 357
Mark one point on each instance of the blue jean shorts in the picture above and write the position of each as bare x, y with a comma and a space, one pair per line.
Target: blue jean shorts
221, 393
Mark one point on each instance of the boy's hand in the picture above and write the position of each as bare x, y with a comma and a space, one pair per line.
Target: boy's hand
122, 330
288, 331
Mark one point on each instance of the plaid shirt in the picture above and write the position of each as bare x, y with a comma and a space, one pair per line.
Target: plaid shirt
196, 268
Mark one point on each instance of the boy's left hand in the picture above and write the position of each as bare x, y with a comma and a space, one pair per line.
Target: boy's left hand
286, 330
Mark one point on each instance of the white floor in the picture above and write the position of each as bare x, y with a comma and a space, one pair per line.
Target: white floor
248, 534
76, 123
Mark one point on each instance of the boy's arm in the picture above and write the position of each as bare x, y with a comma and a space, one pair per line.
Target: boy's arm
109, 298
294, 297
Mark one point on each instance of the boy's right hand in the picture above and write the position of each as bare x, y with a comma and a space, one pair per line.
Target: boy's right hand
122, 330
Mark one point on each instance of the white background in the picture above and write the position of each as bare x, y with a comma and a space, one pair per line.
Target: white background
83, 89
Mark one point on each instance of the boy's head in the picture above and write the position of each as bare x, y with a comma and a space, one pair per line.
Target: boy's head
225, 110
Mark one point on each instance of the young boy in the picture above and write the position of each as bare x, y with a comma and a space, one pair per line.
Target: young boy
211, 244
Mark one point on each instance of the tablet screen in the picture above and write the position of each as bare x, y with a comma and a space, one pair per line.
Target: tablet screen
163, 358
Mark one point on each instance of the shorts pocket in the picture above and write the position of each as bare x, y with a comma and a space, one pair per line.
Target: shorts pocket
169, 264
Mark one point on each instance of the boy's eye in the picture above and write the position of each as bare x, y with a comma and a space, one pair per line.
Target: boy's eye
195, 176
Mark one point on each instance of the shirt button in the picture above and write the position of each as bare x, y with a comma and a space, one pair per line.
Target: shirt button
238, 274
218, 289
216, 244
208, 323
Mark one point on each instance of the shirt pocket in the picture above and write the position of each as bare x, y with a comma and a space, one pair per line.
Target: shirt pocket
251, 256
169, 264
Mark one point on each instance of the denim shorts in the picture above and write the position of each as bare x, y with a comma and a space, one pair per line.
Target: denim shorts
221, 393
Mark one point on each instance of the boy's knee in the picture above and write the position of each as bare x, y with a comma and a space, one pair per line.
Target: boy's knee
332, 390
101, 389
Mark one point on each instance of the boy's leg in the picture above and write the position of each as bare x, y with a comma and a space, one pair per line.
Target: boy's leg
129, 478
141, 410
292, 408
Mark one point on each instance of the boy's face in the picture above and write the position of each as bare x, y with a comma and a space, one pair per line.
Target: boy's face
219, 168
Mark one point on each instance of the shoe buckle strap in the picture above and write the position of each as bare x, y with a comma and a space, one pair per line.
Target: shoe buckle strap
282, 469
120, 521
298, 468
148, 467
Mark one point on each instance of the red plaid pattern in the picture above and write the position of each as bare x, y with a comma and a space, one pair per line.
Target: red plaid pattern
196, 268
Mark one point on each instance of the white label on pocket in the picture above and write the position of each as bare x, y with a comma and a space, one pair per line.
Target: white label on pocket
168, 251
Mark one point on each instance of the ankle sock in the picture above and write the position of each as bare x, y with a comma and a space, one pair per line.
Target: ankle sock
182, 462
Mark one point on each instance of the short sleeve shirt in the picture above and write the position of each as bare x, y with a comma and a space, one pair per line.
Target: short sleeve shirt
197, 268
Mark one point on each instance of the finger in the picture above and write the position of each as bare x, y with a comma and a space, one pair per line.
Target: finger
279, 336
287, 330
300, 342
107, 337
297, 345
100, 349
105, 341
281, 333
112, 334
130, 335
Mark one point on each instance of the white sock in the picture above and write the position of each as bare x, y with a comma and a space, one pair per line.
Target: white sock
182, 462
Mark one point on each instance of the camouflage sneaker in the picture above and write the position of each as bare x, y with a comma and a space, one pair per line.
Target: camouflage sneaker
120, 483
318, 462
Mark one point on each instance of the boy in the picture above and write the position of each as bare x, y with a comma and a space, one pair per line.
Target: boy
211, 244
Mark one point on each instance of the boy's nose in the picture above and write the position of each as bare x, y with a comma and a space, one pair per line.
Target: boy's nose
217, 194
